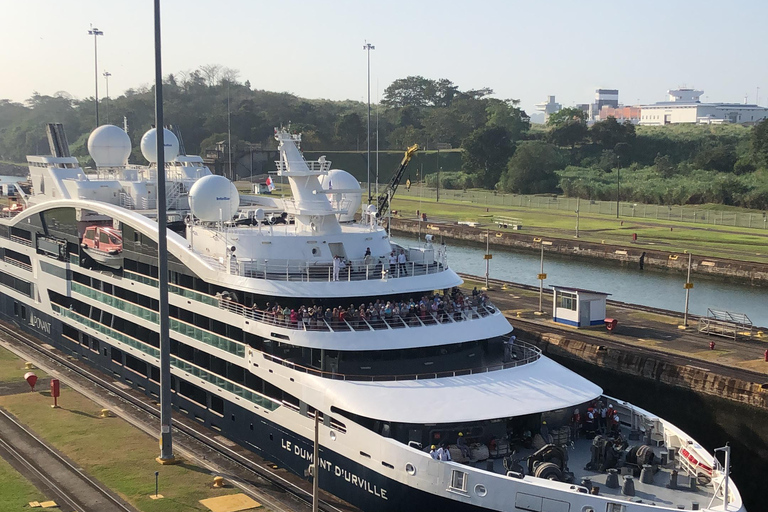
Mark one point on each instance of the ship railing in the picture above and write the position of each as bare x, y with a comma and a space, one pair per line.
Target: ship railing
17, 263
21, 240
416, 319
355, 270
522, 352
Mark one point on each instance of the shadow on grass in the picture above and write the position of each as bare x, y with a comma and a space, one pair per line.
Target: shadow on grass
80, 413
197, 469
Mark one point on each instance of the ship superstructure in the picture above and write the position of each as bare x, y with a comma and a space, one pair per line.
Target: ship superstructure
284, 309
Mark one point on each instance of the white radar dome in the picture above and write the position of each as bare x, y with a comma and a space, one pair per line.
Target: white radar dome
214, 198
349, 198
149, 145
109, 146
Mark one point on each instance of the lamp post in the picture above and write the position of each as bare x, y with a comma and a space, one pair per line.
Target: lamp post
368, 47
166, 438
106, 75
96, 33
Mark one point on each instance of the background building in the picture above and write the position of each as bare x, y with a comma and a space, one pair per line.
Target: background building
683, 106
549, 107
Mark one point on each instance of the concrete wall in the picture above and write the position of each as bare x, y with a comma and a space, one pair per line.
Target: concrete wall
653, 368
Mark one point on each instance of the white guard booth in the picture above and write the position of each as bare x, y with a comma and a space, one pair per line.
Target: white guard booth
578, 307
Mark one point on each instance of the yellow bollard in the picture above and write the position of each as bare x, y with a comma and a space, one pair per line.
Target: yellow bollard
218, 482
29, 366
104, 413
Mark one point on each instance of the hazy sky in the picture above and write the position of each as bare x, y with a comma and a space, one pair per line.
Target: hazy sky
523, 50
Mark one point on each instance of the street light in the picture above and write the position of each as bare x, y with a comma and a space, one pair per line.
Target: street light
95, 33
106, 75
368, 47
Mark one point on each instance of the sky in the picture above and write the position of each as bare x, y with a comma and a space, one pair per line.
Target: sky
522, 50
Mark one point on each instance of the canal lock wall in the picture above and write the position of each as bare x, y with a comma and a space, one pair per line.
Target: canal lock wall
752, 273
699, 380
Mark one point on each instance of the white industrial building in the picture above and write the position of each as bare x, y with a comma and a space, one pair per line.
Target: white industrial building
684, 106
548, 107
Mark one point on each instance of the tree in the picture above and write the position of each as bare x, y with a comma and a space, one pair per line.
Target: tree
411, 91
349, 131
531, 169
568, 133
610, 132
486, 152
566, 115
760, 142
507, 114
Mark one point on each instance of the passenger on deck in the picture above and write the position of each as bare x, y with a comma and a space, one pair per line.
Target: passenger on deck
392, 263
461, 443
589, 423
433, 452
336, 267
401, 263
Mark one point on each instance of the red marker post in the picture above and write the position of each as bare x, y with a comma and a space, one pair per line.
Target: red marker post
55, 392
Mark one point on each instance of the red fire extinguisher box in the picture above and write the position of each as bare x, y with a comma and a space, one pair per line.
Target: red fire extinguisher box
55, 388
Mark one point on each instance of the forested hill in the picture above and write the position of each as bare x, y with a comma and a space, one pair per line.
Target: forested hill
500, 149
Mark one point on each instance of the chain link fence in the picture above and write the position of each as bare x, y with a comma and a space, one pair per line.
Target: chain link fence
570, 204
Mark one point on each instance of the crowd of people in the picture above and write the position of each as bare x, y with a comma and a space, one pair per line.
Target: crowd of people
428, 309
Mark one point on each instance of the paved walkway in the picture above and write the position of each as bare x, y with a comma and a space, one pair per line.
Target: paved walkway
640, 329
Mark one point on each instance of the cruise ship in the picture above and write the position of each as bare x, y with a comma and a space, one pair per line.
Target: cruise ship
284, 310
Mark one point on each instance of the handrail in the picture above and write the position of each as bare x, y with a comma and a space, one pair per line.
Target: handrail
529, 353
17, 263
354, 270
381, 323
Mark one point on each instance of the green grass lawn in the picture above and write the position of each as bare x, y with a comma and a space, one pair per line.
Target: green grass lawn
113, 451
16, 492
701, 239
12, 368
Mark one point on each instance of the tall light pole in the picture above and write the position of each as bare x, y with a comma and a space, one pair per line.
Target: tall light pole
96, 33
368, 47
166, 440
106, 75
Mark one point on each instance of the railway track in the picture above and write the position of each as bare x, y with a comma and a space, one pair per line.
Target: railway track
283, 494
61, 479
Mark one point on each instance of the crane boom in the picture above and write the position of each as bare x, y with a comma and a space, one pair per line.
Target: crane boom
389, 191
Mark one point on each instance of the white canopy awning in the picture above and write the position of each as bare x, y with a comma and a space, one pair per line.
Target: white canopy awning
531, 388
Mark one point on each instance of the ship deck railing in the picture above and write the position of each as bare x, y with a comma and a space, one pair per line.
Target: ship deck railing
521, 353
315, 324
356, 270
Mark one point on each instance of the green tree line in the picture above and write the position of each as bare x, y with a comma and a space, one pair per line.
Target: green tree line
500, 150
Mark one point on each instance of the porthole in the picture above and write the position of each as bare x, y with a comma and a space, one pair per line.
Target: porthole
587, 509
315, 251
410, 469
480, 490
333, 435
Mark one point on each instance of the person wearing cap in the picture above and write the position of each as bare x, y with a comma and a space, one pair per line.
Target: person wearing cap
461, 443
544, 431
433, 452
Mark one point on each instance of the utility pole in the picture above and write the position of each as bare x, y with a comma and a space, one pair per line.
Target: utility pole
487, 257
437, 200
368, 47
95, 33
688, 286
542, 276
577, 217
106, 75
316, 465
166, 441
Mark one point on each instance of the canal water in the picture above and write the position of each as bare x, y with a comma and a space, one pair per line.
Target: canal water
627, 283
